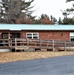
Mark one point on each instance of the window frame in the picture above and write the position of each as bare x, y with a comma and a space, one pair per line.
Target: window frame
32, 33
71, 36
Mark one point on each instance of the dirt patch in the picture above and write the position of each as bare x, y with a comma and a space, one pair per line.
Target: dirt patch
16, 56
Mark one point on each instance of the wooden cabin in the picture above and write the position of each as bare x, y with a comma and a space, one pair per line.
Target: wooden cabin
49, 32
37, 31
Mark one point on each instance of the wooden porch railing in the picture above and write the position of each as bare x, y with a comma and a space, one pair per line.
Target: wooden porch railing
36, 44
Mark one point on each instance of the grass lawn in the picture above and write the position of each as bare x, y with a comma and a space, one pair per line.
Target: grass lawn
17, 56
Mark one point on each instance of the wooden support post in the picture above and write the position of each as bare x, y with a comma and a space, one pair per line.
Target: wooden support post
65, 45
40, 44
47, 44
27, 41
15, 44
35, 44
10, 43
9, 35
53, 45
69, 45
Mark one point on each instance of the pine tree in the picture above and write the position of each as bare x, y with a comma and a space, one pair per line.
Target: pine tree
14, 9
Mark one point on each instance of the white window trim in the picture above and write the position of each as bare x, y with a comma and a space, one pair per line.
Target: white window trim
32, 34
71, 35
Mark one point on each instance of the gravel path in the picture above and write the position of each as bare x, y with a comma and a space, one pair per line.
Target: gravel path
63, 65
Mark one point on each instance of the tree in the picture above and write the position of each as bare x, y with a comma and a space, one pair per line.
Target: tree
25, 20
69, 0
44, 19
14, 9
60, 21
68, 21
53, 19
69, 11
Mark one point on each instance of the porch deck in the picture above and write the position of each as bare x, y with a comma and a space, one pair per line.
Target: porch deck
35, 45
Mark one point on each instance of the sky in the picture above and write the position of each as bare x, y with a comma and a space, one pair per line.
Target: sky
50, 7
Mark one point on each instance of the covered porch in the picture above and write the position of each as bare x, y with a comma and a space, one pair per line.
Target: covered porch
5, 38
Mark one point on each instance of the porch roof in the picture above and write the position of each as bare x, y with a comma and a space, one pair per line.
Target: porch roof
35, 27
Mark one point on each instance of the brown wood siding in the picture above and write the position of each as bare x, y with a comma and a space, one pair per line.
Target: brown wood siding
55, 35
50, 35
59, 35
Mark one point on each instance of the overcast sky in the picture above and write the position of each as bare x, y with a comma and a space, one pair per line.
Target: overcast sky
50, 7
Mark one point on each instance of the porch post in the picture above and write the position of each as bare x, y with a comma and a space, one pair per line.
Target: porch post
9, 35
9, 41
53, 45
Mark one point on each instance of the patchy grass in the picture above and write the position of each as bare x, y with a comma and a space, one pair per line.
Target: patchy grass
17, 56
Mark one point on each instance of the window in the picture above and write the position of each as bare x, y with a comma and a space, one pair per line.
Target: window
15, 35
32, 35
29, 35
5, 35
72, 37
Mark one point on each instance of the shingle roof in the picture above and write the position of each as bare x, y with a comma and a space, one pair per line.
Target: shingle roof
35, 27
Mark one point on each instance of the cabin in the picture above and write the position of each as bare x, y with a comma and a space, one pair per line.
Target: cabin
36, 31
32, 31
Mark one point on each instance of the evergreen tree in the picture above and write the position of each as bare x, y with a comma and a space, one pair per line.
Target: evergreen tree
60, 21
14, 9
